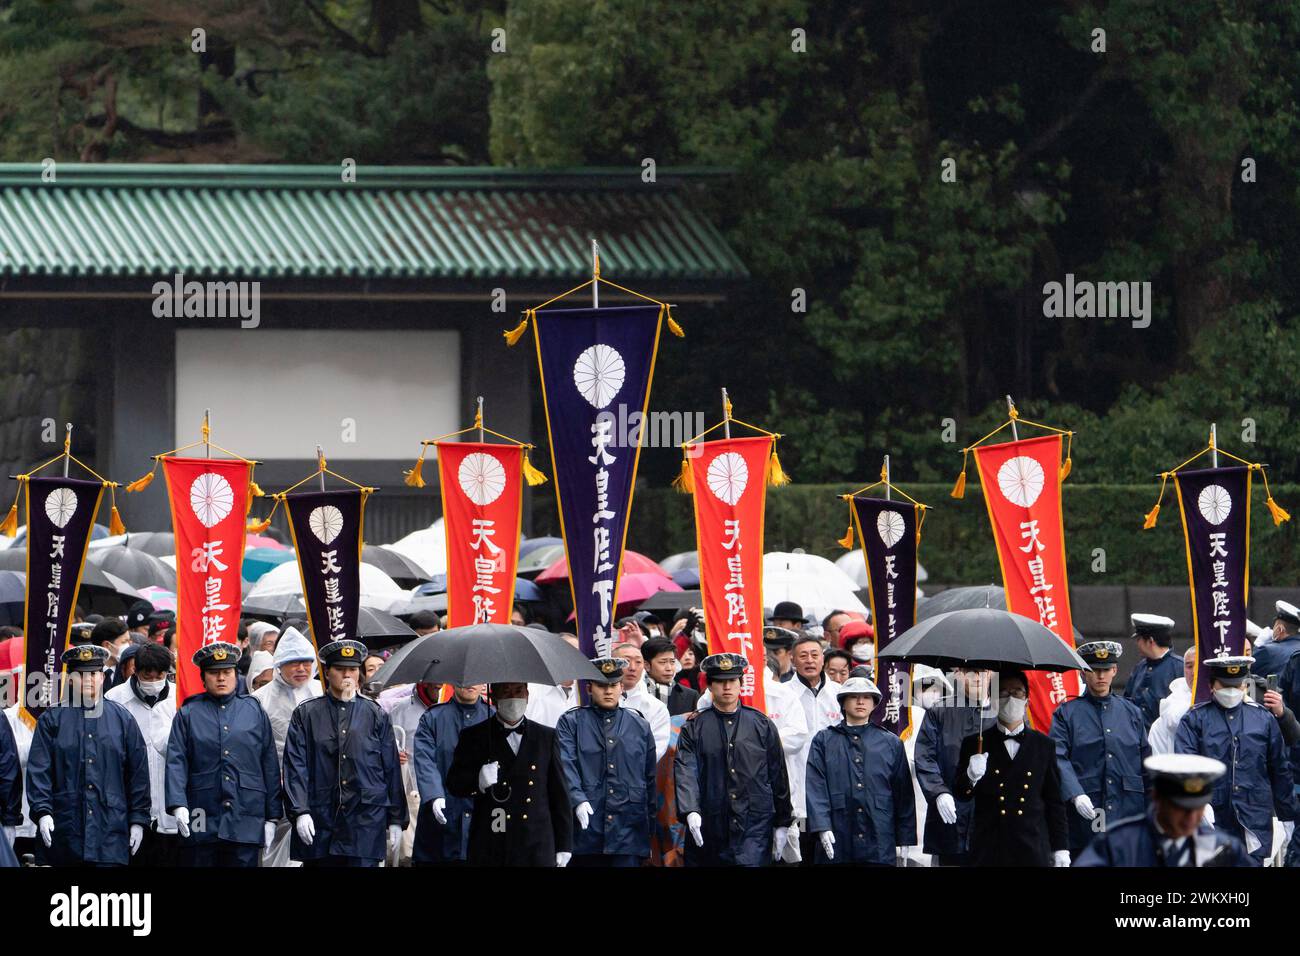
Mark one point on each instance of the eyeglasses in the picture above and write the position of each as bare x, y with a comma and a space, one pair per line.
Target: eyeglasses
1017, 694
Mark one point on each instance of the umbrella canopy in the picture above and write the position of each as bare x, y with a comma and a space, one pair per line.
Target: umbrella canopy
160, 598
426, 547
279, 606
264, 541
540, 558
529, 545
635, 588
93, 576
377, 629
854, 564
157, 543
956, 599
687, 577
681, 560
987, 638
633, 563
402, 569
672, 600
811, 581
486, 654
136, 568
257, 561
377, 588
13, 596
421, 602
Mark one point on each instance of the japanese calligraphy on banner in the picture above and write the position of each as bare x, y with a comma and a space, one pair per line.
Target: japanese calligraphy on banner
209, 502
1215, 503
888, 530
327, 533
482, 505
729, 480
596, 366
1022, 489
60, 515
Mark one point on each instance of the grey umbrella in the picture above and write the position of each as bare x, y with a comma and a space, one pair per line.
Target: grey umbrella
95, 581
396, 565
984, 638
137, 568
158, 543
487, 654
956, 599
276, 605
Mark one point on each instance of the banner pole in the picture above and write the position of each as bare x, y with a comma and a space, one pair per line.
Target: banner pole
1011, 407
726, 415
887, 498
480, 420
320, 464
207, 430
1214, 445
67, 448
595, 277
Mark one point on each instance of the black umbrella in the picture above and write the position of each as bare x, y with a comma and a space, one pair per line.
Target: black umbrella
94, 579
276, 605
486, 654
984, 638
957, 599
397, 566
424, 602
136, 568
377, 629
671, 601
13, 597
158, 543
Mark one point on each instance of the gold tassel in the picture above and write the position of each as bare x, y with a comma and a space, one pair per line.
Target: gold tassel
959, 489
414, 477
257, 527
531, 474
255, 490
846, 542
685, 480
1150, 521
143, 482
1279, 513
517, 333
1065, 468
673, 327
9, 528
115, 525
776, 475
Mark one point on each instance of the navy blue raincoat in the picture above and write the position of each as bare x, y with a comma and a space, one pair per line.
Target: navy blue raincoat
938, 746
1149, 684
435, 743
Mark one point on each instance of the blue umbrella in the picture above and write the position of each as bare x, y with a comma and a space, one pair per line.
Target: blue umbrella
687, 577
257, 561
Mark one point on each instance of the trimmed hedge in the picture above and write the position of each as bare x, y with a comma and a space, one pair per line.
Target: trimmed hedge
957, 544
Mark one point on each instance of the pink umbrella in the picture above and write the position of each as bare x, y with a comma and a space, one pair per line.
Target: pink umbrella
633, 563
263, 541
160, 598
636, 587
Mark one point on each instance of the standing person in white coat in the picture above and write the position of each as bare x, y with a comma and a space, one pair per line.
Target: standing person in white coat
637, 695
547, 702
1176, 703
405, 715
151, 700
818, 696
294, 681
929, 686
24, 832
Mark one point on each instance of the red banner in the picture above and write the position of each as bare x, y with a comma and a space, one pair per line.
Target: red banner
1022, 489
730, 482
482, 504
209, 503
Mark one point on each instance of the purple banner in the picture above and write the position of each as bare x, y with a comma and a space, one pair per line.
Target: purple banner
1215, 503
596, 366
887, 530
60, 514
326, 528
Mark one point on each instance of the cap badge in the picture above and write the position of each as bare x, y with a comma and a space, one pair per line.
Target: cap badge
608, 667
347, 651
725, 664
219, 654
1194, 784
1102, 654
85, 654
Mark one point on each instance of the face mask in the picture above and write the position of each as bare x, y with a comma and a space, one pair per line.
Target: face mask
152, 688
862, 652
931, 696
512, 709
1011, 710
1229, 696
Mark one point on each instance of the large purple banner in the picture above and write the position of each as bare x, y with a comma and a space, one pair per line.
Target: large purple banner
887, 530
593, 363
1215, 503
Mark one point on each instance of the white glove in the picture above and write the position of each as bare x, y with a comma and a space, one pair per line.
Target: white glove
183, 821
779, 837
306, 828
1209, 815
1061, 858
46, 825
902, 853
440, 810
487, 776
10, 834
562, 858
828, 844
947, 808
394, 834
268, 834
583, 813
135, 837
693, 823
1288, 827
978, 766
1083, 803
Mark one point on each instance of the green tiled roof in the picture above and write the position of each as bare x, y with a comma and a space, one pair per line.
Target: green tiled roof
303, 222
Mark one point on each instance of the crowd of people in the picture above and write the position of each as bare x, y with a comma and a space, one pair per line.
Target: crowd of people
293, 756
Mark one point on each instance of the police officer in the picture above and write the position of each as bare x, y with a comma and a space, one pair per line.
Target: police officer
779, 644
223, 777
1101, 742
1172, 832
729, 776
1149, 683
947, 723
442, 825
342, 781
607, 754
87, 771
1272, 658
1246, 738
859, 786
